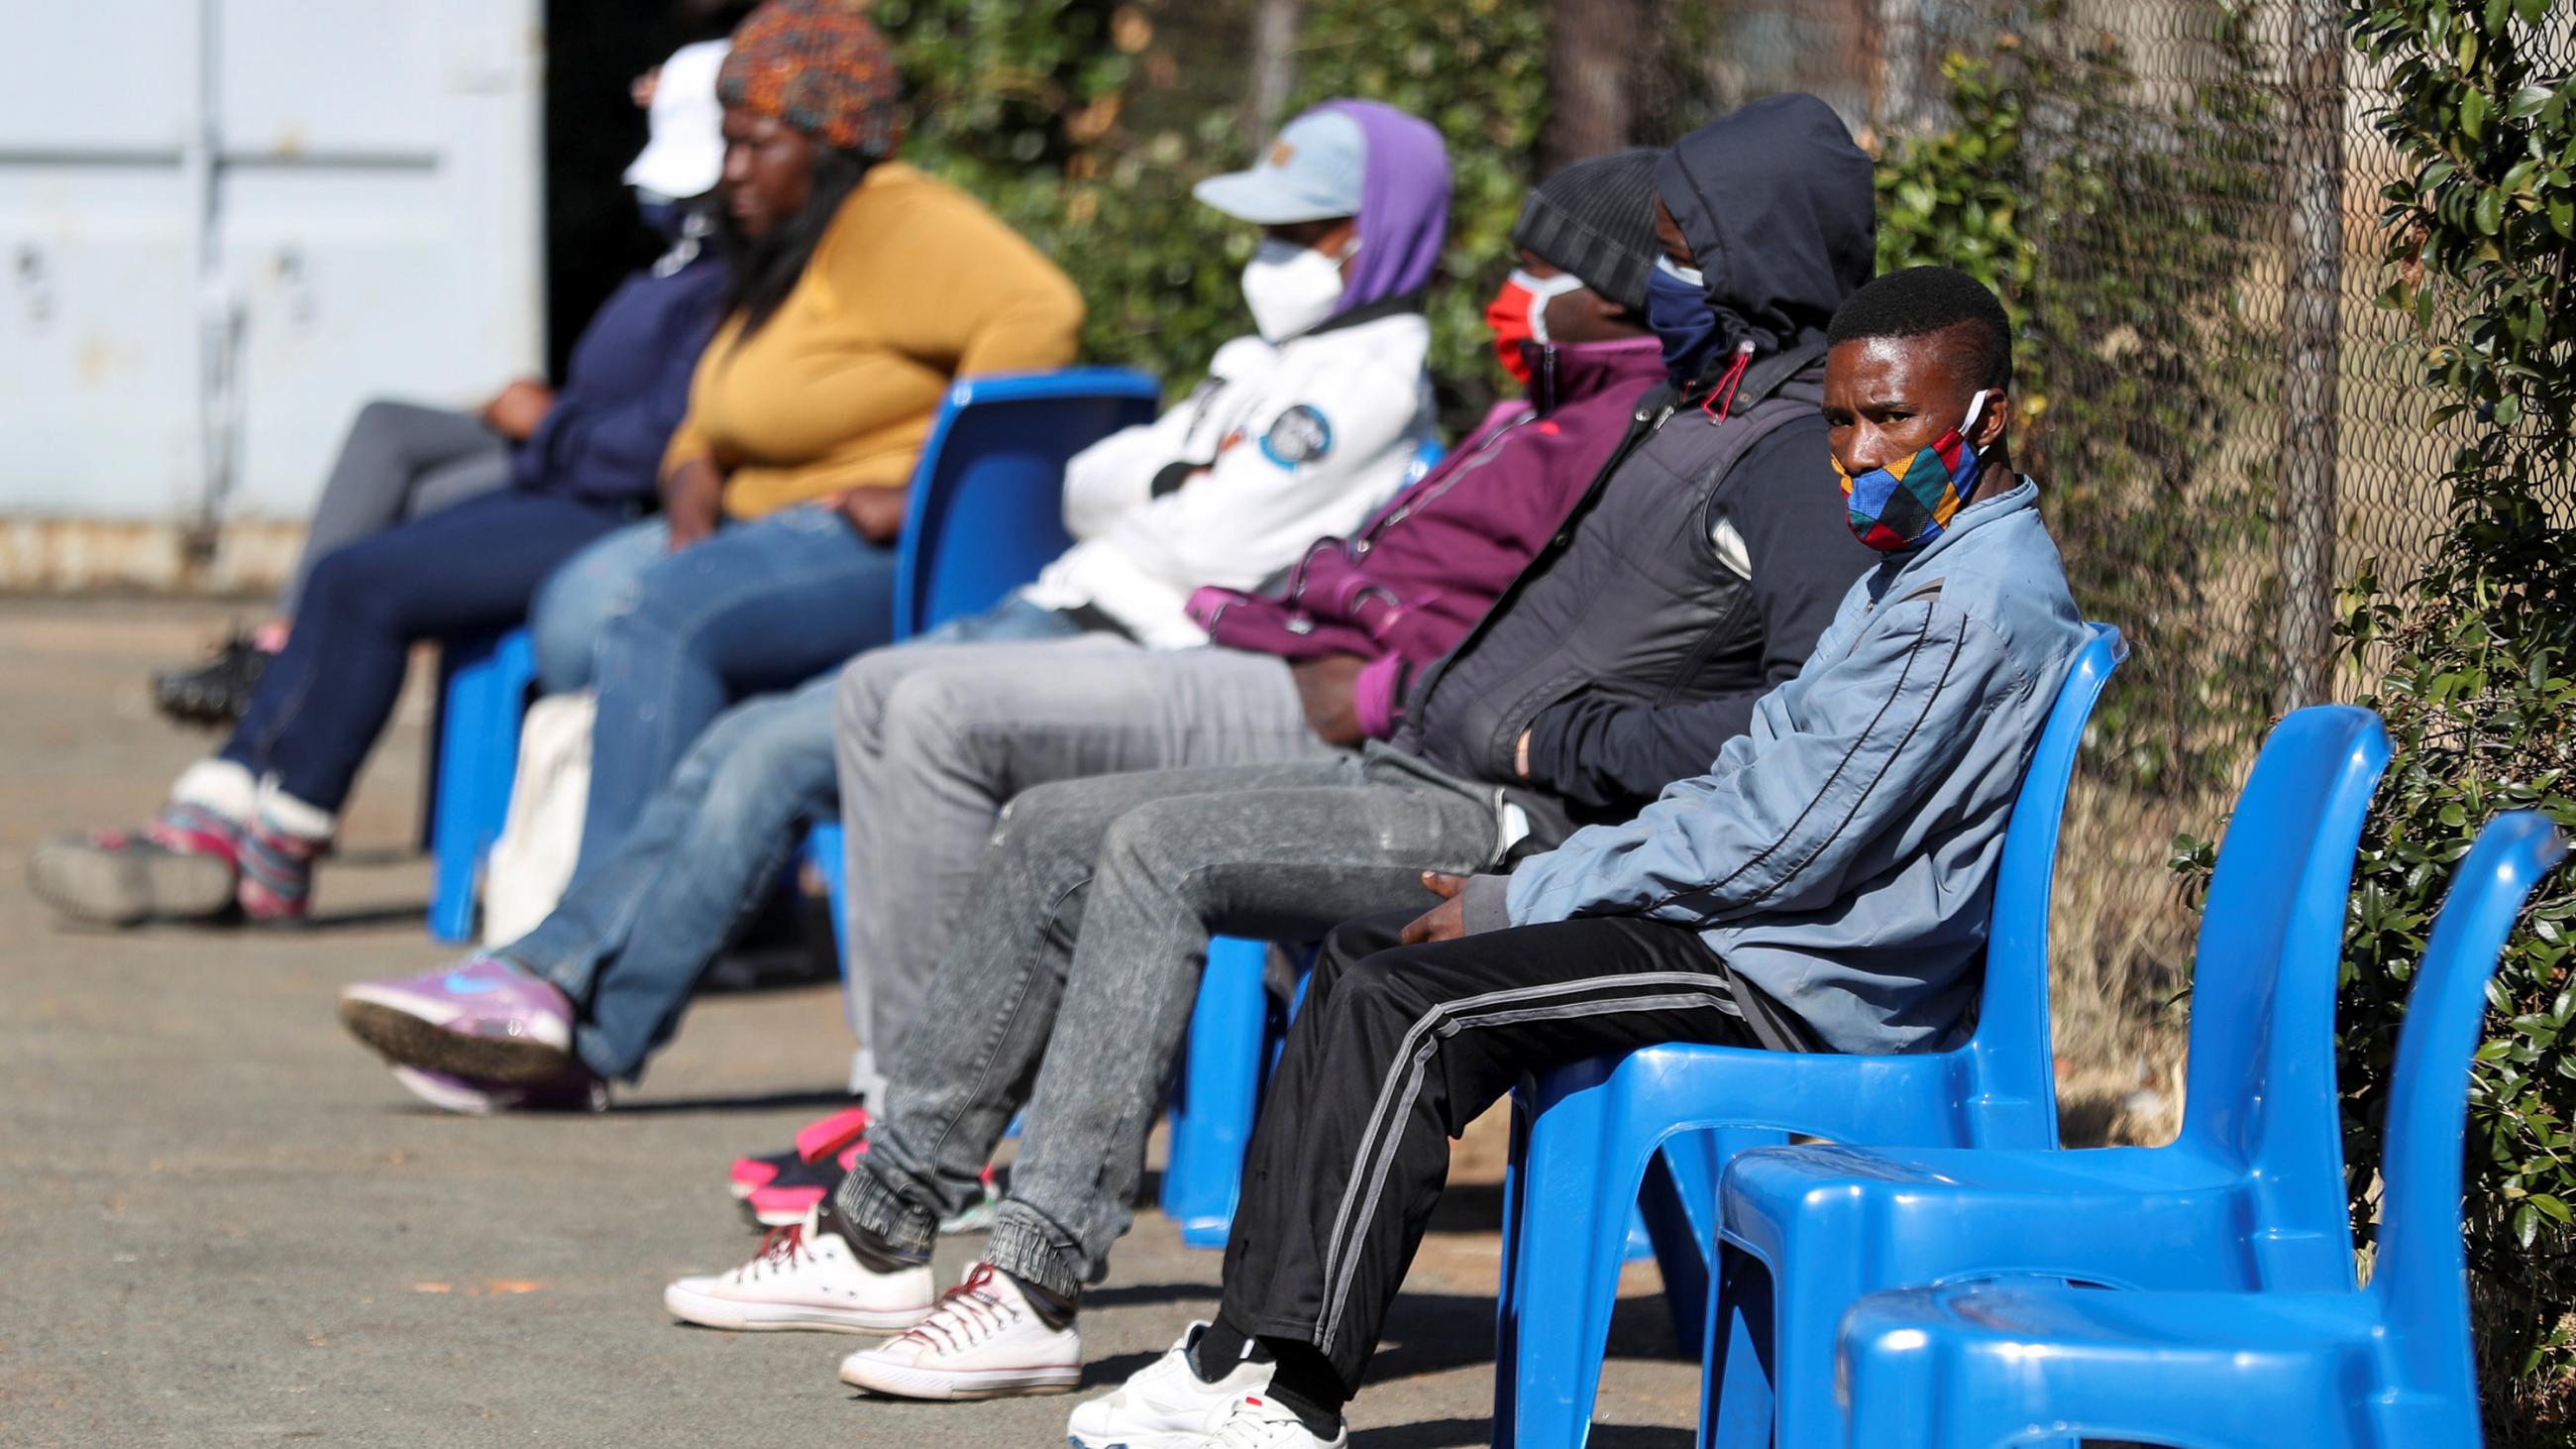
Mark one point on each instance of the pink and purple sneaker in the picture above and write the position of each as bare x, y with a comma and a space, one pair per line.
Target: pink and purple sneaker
484, 1019
576, 1091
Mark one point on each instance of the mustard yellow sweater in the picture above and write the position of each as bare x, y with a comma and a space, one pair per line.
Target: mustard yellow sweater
914, 284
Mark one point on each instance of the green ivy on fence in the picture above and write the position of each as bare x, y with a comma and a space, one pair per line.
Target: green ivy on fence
2481, 697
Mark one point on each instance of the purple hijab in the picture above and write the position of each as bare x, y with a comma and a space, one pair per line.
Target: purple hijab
1404, 203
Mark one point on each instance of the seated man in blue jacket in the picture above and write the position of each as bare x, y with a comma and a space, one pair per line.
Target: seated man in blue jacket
1822, 887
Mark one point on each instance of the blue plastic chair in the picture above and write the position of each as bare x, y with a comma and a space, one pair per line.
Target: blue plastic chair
992, 469
1654, 1128
483, 689
2251, 1195
2384, 1367
992, 472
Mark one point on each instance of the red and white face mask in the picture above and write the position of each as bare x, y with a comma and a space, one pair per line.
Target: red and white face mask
1518, 314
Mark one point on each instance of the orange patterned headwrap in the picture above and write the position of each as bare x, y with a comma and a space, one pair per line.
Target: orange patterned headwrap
820, 66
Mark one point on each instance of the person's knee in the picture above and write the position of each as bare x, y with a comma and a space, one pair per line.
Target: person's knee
1383, 989
380, 417
1053, 813
1155, 847
865, 693
760, 775
346, 585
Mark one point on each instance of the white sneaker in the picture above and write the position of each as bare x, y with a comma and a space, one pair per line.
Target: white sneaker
1165, 1405
805, 1278
983, 1341
1258, 1421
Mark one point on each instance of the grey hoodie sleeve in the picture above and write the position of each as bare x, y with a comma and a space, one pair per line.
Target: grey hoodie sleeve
1604, 754
1834, 758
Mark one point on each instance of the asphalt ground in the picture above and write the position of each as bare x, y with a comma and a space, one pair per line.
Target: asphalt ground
222, 1223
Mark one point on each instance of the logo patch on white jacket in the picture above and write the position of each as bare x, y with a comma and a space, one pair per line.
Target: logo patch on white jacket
1299, 435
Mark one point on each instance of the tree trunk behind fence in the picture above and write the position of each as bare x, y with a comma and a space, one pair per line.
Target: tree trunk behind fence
2311, 334
1591, 64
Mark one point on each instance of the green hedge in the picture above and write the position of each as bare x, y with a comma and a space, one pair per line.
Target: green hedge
1062, 115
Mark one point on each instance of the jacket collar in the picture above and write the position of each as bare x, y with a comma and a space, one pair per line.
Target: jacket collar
2022, 497
1566, 373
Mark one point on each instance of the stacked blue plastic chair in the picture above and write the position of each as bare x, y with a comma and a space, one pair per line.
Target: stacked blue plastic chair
1668, 1118
2384, 1367
991, 474
1235, 1030
2249, 1197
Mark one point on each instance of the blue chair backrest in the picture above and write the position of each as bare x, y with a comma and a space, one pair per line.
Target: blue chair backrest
2261, 1085
2012, 1009
992, 474
2422, 1273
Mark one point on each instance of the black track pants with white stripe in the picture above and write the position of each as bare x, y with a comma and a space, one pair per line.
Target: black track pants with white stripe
1396, 1050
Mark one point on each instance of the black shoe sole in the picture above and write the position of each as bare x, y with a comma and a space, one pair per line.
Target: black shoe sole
406, 1040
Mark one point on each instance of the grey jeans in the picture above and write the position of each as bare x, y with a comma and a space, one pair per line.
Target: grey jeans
399, 462
932, 741
1069, 981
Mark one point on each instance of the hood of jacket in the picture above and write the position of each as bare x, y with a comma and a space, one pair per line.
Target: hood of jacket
1777, 204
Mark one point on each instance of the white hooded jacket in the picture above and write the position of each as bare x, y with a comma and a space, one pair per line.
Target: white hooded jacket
1282, 445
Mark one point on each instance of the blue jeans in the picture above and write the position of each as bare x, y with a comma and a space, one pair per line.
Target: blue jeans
760, 607
574, 606
469, 568
630, 939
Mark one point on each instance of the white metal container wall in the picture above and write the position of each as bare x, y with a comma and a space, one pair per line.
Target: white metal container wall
225, 224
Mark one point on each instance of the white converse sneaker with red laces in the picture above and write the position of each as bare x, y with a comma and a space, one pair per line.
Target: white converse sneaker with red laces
1165, 1404
806, 1276
982, 1341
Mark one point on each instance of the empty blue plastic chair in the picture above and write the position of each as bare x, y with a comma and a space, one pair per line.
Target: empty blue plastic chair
483, 689
2384, 1367
1667, 1119
2250, 1196
991, 471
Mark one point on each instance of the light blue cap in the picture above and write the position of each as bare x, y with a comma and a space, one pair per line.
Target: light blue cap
1312, 171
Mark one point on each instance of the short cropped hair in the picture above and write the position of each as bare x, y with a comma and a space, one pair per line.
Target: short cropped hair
1920, 301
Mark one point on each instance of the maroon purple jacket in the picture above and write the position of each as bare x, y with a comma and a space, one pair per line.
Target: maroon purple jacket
1403, 590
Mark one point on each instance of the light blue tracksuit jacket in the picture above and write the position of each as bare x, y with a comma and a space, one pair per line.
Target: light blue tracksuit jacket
1841, 855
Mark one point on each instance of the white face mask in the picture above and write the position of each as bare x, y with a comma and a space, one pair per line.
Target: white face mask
1541, 291
1291, 288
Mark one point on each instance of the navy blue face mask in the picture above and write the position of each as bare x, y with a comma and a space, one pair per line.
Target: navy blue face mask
661, 216
1677, 308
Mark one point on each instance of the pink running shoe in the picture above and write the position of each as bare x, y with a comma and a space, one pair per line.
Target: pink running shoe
815, 1141
788, 1197
484, 1018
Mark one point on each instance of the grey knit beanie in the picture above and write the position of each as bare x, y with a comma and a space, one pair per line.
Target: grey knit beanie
1596, 219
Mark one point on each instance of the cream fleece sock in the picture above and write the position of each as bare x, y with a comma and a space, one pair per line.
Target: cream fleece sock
220, 787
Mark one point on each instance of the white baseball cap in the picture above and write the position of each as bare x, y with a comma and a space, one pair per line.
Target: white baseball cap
685, 156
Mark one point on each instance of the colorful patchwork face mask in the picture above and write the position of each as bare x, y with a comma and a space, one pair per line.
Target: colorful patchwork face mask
1905, 506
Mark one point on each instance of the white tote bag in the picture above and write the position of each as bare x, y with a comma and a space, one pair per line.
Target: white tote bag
532, 861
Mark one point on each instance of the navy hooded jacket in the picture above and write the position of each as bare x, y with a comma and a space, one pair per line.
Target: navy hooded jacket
1777, 206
